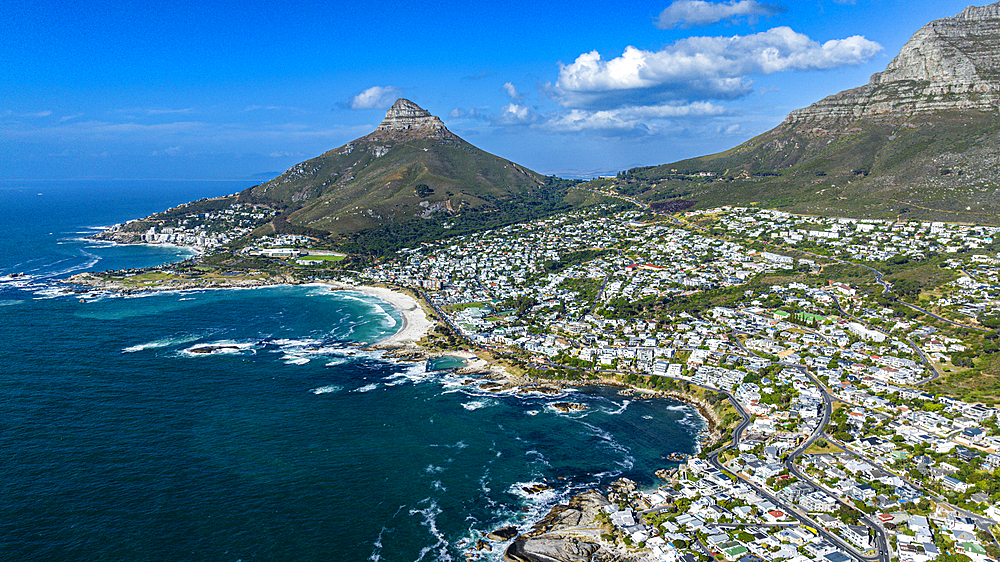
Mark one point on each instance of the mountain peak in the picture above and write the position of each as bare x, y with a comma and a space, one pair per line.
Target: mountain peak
407, 119
950, 63
990, 12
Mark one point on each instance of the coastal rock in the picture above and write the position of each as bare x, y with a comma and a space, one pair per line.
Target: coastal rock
208, 349
569, 533
621, 490
550, 550
503, 534
536, 488
539, 388
569, 406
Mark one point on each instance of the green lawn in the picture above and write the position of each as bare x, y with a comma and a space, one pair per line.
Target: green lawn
323, 257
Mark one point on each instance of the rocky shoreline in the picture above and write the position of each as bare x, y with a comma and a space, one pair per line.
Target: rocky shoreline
570, 532
94, 282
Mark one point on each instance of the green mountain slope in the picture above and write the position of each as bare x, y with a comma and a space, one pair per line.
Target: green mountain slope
410, 168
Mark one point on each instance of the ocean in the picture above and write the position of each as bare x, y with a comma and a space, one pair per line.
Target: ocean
246, 425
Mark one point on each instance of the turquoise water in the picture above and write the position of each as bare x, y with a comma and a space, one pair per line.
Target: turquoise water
248, 425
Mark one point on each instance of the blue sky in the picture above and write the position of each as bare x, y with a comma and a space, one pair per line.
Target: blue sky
225, 90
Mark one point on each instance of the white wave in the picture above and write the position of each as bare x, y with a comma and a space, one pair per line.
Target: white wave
627, 460
90, 242
621, 410
327, 389
159, 343
647, 417
335, 362
475, 405
693, 422
366, 388
521, 490
385, 319
376, 555
304, 342
46, 292
10, 302
431, 469
297, 361
430, 514
90, 263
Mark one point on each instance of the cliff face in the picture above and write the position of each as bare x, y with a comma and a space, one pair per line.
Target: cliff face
407, 119
950, 63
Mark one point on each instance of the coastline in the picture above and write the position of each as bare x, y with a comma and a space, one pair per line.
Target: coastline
415, 323
492, 375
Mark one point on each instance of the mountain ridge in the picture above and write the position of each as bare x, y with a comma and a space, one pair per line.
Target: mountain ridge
921, 139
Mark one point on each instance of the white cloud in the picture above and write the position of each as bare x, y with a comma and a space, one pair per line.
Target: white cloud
631, 120
516, 114
699, 68
152, 111
462, 113
690, 13
376, 97
515, 96
29, 115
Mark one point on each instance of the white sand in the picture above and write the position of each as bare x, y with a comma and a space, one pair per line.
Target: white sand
415, 326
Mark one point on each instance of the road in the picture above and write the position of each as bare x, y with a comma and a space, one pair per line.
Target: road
932, 315
981, 521
713, 458
881, 540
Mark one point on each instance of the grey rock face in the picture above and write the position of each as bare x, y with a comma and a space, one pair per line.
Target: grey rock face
407, 117
569, 533
950, 63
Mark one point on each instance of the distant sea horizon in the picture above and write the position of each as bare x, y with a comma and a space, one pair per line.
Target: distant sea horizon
123, 440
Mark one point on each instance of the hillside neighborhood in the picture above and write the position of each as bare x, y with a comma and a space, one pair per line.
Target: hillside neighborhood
844, 454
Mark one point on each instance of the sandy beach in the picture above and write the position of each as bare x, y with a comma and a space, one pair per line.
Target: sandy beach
415, 326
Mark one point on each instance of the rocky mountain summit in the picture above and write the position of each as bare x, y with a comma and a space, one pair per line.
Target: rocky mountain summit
950, 63
406, 118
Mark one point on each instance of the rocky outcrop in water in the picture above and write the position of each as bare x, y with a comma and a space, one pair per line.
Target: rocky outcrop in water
569, 533
950, 63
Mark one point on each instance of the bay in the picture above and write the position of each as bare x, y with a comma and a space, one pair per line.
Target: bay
121, 439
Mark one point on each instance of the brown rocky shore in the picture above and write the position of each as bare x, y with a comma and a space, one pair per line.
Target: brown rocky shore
569, 533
